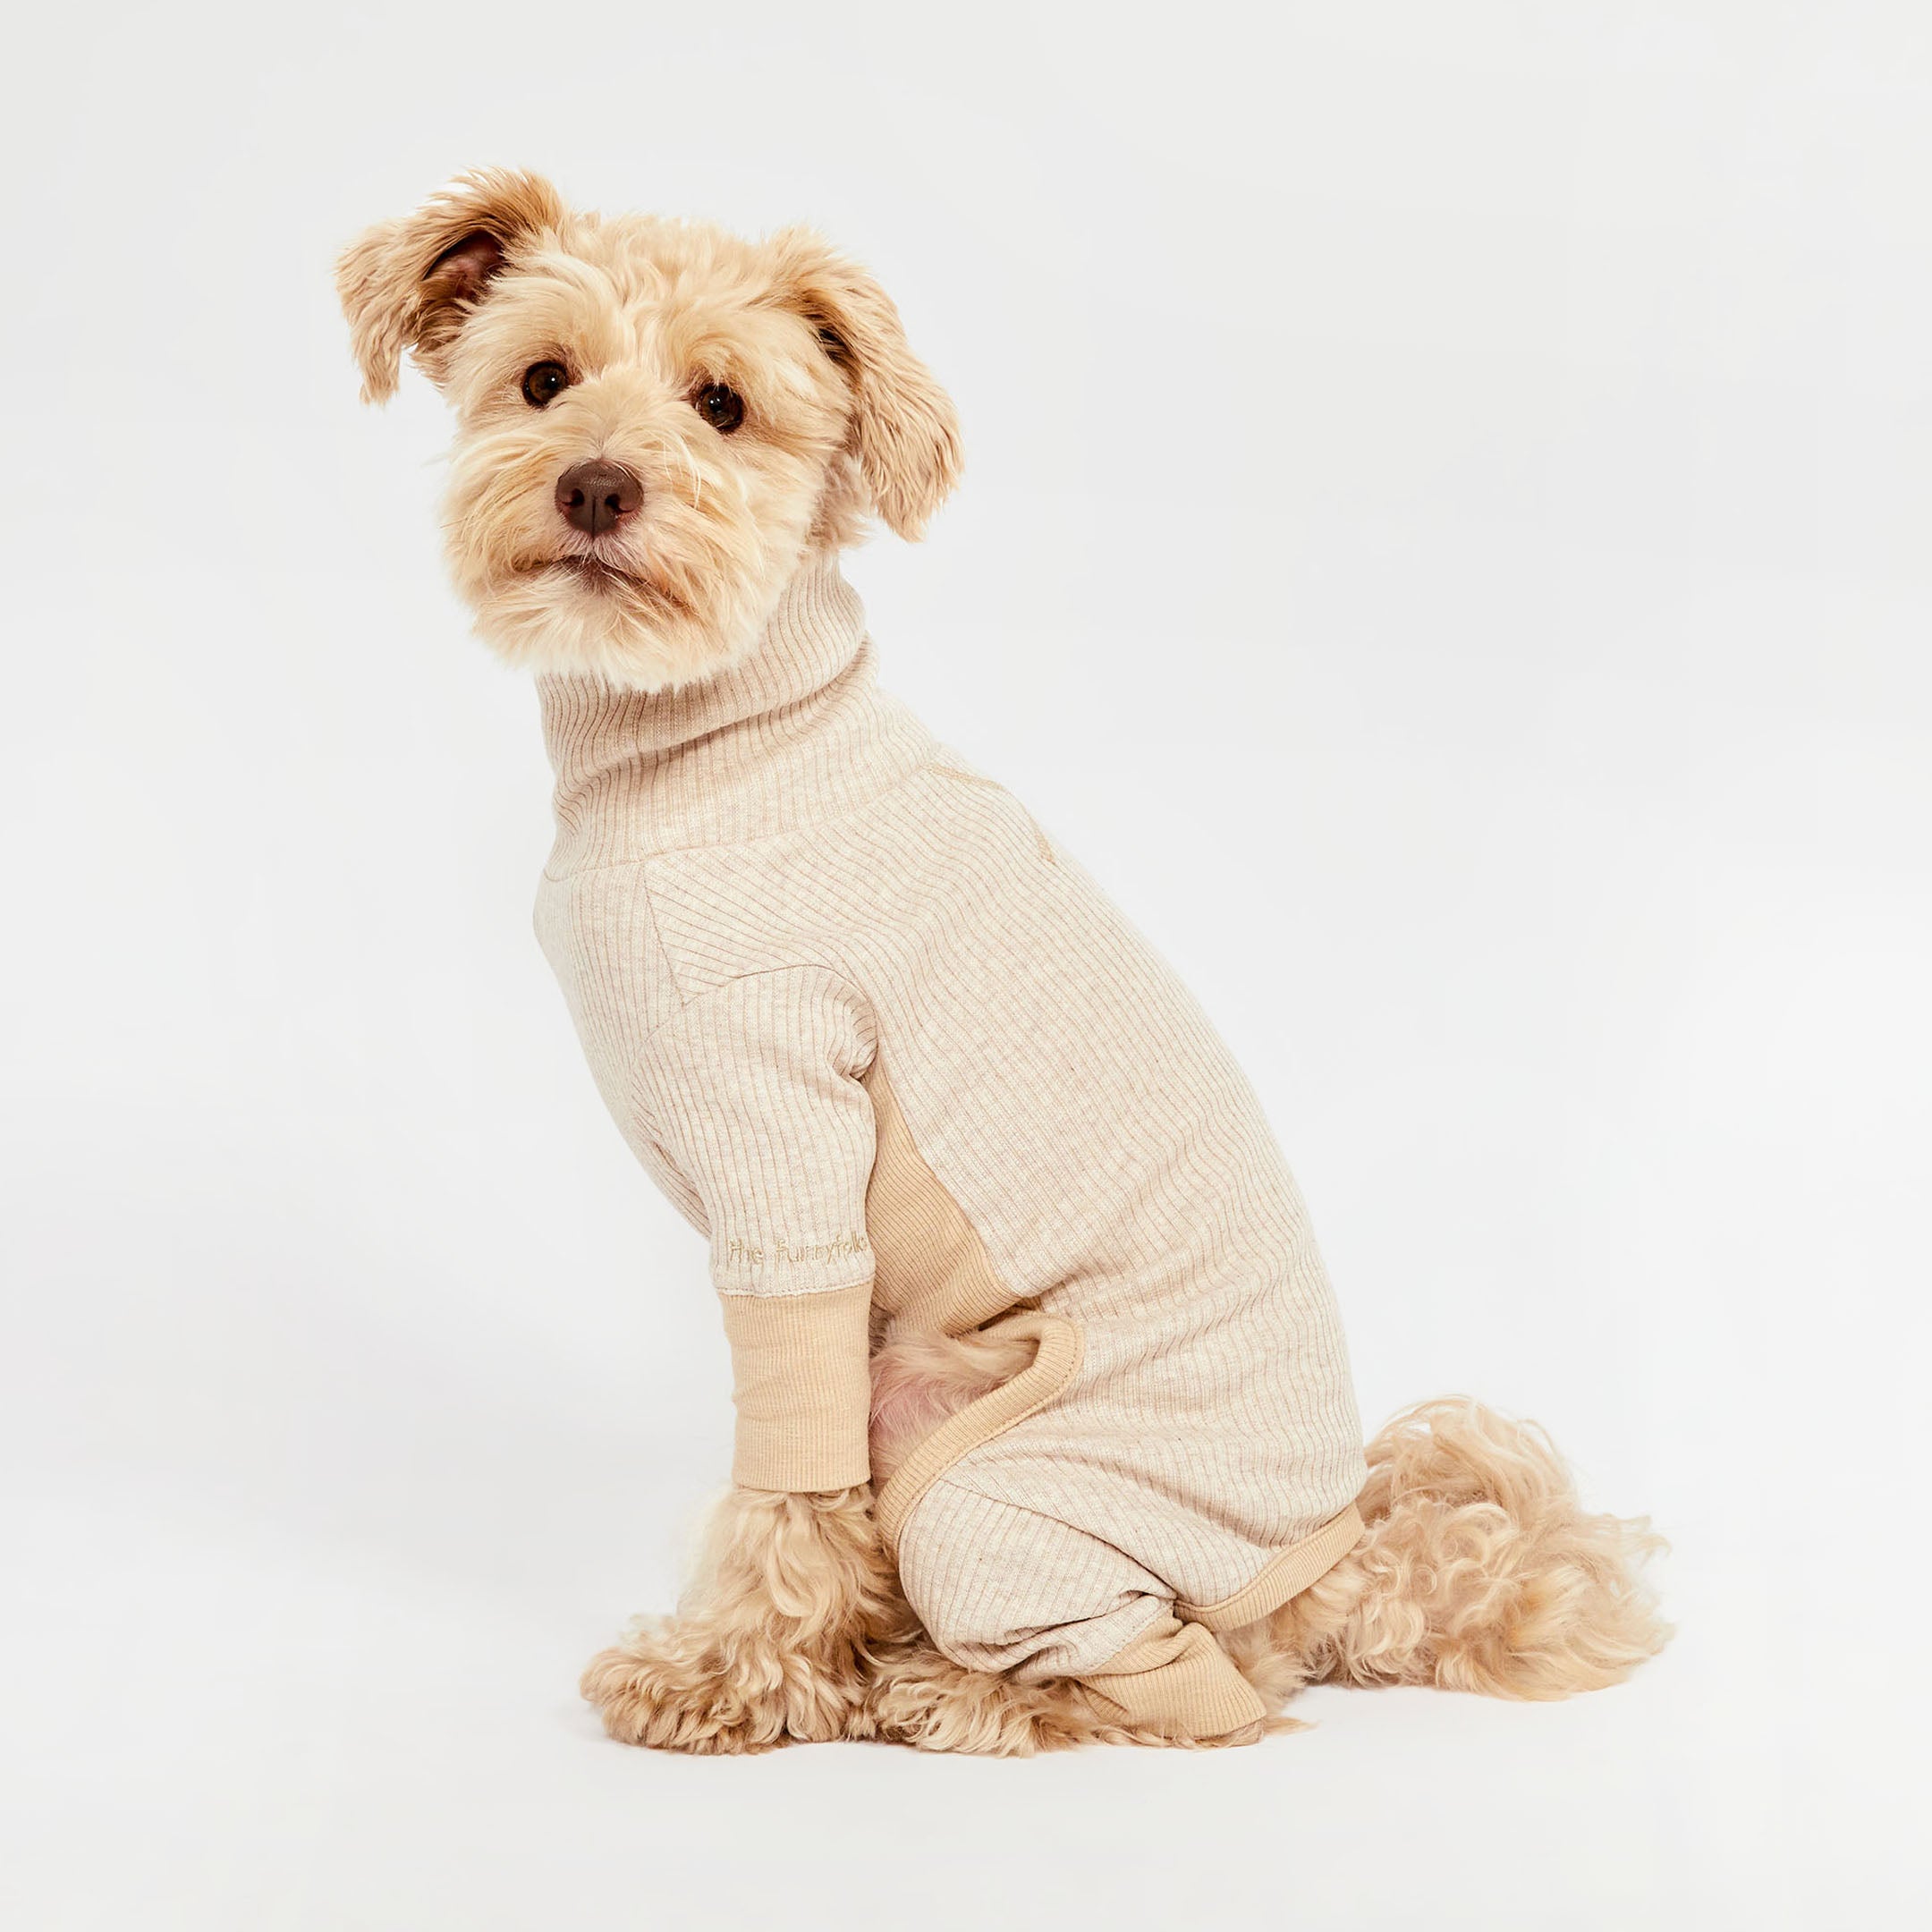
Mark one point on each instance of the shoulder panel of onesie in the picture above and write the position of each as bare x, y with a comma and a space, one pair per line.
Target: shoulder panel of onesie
599, 931
835, 892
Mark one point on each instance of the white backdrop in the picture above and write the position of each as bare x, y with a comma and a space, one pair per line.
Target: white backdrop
1484, 446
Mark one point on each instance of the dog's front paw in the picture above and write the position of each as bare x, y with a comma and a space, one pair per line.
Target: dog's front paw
676, 1686
791, 1594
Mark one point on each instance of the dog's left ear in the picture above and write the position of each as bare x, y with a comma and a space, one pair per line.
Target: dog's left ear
413, 283
904, 431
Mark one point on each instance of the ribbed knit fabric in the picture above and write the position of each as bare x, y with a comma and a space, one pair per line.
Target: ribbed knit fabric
885, 1045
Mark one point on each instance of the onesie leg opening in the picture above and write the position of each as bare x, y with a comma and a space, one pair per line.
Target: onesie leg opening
1176, 1680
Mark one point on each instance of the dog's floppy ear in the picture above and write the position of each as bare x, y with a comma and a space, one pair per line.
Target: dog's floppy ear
411, 284
904, 433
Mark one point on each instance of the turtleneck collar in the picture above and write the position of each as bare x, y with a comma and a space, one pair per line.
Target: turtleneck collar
796, 730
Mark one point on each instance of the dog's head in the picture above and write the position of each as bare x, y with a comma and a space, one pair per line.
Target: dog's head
656, 421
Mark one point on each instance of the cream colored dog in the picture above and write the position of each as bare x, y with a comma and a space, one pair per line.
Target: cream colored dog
664, 432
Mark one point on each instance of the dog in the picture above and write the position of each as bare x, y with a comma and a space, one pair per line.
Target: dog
1044, 1429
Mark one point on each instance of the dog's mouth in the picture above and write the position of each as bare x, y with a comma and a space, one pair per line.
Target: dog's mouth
595, 573
630, 590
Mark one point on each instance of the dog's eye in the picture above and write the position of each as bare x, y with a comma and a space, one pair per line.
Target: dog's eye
544, 382
722, 408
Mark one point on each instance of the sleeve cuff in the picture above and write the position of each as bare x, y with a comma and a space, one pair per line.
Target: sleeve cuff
801, 1380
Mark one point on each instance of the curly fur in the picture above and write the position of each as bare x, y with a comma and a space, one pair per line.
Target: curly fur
1480, 1570
771, 1644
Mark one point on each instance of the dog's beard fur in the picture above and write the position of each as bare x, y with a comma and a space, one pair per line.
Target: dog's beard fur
682, 595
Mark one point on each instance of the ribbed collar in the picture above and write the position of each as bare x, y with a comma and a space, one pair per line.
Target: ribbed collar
796, 730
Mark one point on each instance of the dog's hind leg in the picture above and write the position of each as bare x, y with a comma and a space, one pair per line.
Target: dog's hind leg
1147, 1678
1021, 1603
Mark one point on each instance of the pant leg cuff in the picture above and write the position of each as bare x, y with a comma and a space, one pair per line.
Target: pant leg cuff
1178, 1681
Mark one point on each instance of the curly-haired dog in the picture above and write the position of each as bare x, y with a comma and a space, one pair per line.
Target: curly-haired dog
995, 1223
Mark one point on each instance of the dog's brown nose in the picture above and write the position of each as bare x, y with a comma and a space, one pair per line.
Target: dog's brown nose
596, 496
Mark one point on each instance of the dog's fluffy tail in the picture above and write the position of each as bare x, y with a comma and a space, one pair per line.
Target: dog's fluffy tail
1480, 1571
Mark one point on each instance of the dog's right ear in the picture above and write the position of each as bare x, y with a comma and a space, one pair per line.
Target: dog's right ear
413, 283
904, 431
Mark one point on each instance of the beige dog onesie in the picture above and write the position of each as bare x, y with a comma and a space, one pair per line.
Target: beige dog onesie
889, 1048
